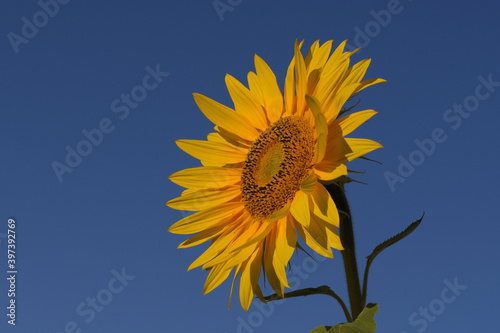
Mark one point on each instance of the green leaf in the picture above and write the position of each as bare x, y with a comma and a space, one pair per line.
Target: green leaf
384, 245
365, 323
321, 329
394, 239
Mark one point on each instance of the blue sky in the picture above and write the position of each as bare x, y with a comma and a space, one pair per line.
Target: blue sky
93, 251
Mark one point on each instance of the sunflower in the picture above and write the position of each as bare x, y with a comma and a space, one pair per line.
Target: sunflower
261, 183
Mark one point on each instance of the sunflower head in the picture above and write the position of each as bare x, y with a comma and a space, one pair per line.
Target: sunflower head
263, 169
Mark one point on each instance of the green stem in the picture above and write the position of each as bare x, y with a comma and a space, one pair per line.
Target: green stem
322, 290
349, 253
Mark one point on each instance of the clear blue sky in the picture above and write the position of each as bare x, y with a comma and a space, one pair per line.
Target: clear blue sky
78, 231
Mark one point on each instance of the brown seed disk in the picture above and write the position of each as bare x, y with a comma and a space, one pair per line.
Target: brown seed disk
276, 165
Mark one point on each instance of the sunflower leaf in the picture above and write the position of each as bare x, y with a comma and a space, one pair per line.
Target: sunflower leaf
321, 329
365, 323
384, 245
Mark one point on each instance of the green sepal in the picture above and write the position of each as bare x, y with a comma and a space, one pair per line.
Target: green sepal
298, 246
340, 180
365, 323
369, 159
351, 107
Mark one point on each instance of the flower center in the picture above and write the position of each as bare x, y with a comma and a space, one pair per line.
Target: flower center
276, 165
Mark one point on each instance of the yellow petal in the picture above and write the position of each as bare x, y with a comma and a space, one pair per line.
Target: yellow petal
259, 235
310, 54
325, 234
217, 275
330, 81
327, 171
203, 236
280, 271
340, 48
319, 118
228, 256
280, 213
321, 127
315, 237
206, 177
309, 183
356, 73
246, 103
223, 136
243, 255
286, 240
350, 122
236, 273
301, 77
205, 219
324, 206
204, 198
337, 147
333, 104
274, 276
213, 152
253, 83
233, 139
300, 208
312, 80
333, 73
361, 147
232, 258
315, 66
335, 58
255, 230
273, 100
333, 236
320, 56
225, 117
289, 91
320, 148
367, 83
255, 274
246, 292
219, 244
249, 278
216, 137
